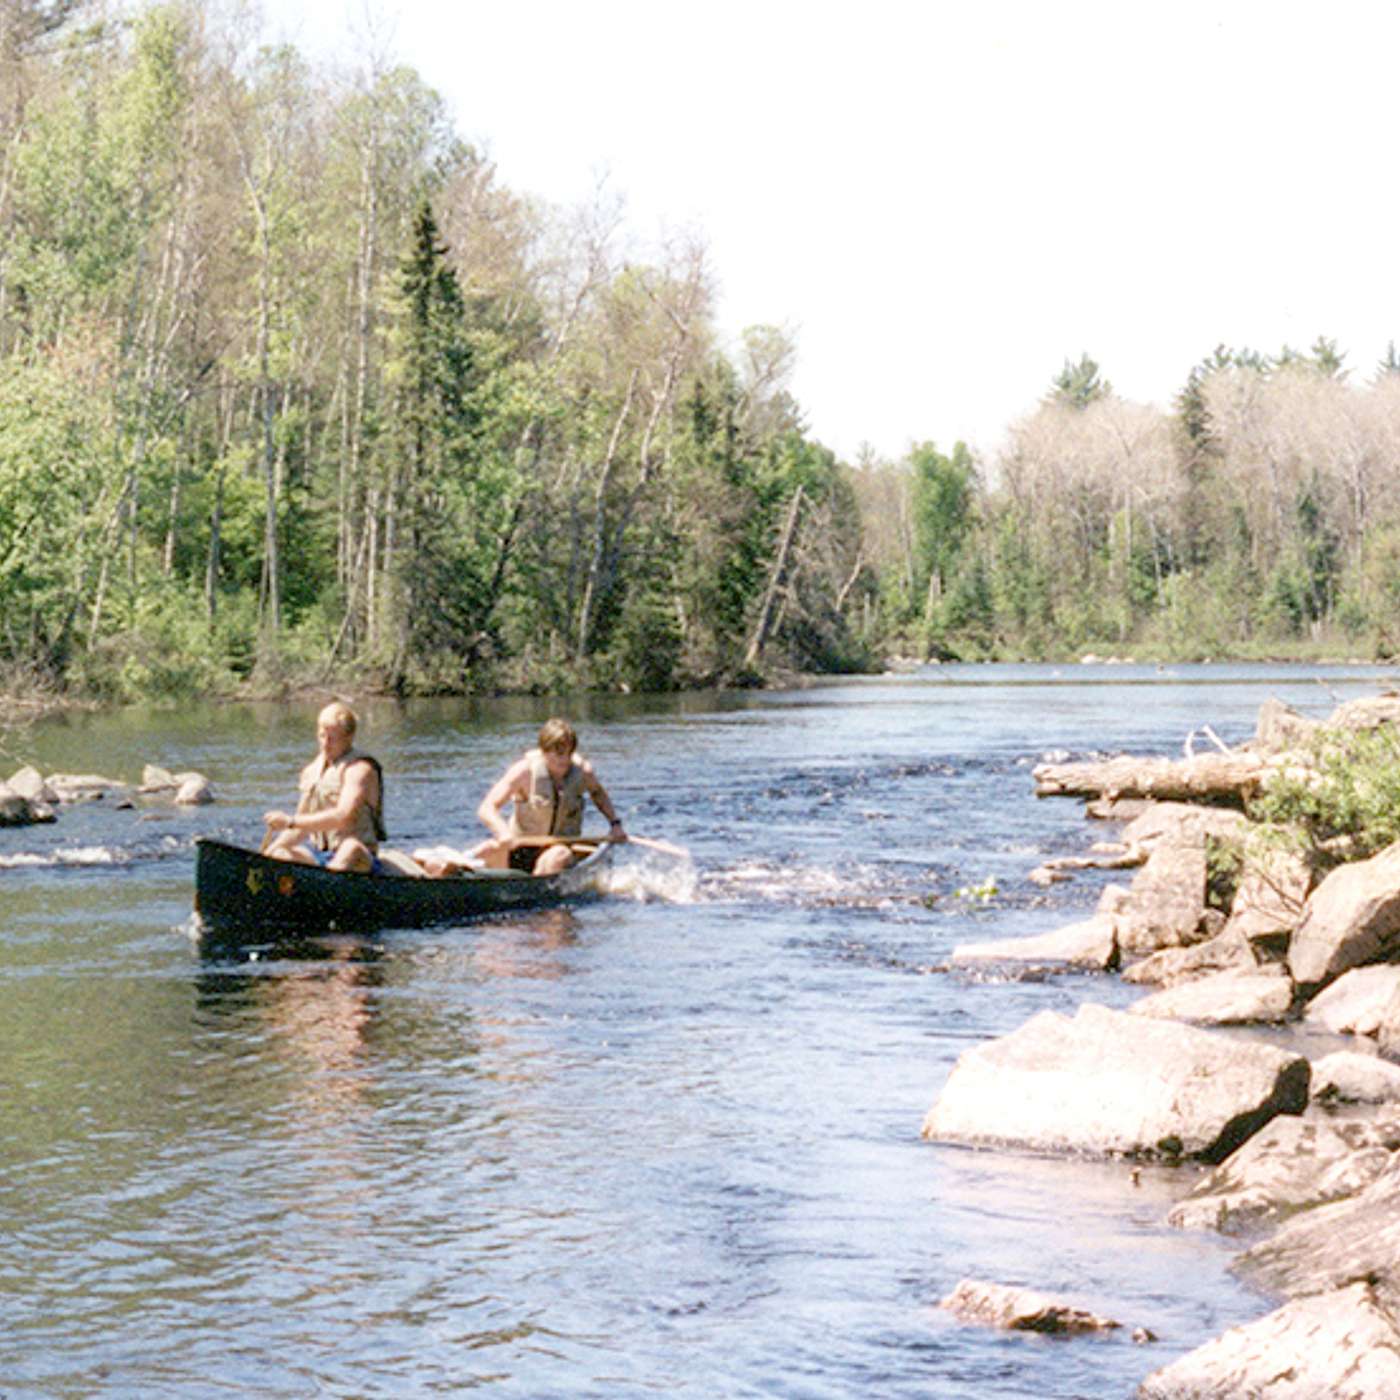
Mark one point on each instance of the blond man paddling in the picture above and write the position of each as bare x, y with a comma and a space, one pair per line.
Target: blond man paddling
339, 820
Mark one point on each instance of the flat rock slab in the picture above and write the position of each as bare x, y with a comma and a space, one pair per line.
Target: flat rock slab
1020, 1309
1342, 1345
1108, 1083
1230, 998
1092, 944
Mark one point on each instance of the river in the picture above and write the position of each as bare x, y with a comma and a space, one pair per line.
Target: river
665, 1143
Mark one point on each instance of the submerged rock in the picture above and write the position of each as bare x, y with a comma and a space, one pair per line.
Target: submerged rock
1020, 1309
1110, 1083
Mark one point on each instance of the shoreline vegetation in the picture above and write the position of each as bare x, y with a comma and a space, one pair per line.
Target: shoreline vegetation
297, 389
1263, 924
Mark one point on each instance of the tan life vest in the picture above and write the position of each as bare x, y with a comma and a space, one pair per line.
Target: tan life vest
550, 809
321, 793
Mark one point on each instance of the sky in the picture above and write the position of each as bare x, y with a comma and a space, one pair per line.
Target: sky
944, 202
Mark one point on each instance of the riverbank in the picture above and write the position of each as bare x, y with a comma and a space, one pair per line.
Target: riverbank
1264, 1048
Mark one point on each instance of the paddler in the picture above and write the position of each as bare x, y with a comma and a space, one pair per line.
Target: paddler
339, 820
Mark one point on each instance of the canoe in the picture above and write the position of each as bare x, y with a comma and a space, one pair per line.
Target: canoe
242, 896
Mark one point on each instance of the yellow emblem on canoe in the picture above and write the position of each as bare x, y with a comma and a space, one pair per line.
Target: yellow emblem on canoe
254, 882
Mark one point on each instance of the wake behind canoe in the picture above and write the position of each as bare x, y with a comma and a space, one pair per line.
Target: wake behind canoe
247, 896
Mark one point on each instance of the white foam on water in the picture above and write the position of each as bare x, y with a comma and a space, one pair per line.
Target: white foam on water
63, 855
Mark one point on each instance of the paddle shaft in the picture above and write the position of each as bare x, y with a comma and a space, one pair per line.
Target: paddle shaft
663, 846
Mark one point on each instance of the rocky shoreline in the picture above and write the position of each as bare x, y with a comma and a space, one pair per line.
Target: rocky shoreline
1303, 1153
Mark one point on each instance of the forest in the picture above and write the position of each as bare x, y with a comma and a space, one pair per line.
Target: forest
296, 390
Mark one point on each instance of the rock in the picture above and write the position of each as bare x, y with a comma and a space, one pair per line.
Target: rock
1291, 1164
1165, 904
1348, 1077
1233, 997
1341, 1345
1120, 809
155, 779
1351, 918
1226, 952
1091, 944
1388, 1029
194, 791
1272, 894
18, 810
1280, 728
1184, 824
1356, 1002
29, 782
1109, 1083
1366, 712
83, 787
1332, 1245
1165, 907
1020, 1309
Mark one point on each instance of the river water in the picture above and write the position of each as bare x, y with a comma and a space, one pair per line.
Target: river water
665, 1143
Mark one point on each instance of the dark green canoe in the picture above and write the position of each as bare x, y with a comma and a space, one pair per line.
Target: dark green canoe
242, 896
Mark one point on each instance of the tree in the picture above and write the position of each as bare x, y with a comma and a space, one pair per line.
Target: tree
1078, 385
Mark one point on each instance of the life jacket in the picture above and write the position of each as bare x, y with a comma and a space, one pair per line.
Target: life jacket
550, 809
321, 792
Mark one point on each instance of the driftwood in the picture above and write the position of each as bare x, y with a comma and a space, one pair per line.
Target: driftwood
1228, 778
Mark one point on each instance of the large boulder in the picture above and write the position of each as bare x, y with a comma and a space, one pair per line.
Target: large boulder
1352, 918
1333, 1245
1291, 1164
1235, 997
1342, 1345
1355, 1004
1109, 1083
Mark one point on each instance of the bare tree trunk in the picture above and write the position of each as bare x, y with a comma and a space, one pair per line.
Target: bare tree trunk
775, 583
595, 562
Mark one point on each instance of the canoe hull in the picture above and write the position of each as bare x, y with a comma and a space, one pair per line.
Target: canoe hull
251, 898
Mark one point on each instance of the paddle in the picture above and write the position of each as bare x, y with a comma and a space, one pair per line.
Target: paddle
665, 847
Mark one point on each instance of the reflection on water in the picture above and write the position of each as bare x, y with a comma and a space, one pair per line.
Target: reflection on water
664, 1143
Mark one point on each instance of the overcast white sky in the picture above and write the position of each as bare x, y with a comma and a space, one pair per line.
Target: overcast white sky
945, 201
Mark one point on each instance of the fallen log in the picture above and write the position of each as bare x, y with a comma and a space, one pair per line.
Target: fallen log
1222, 778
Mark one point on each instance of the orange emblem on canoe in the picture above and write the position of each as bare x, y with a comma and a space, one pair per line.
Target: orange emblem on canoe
286, 884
